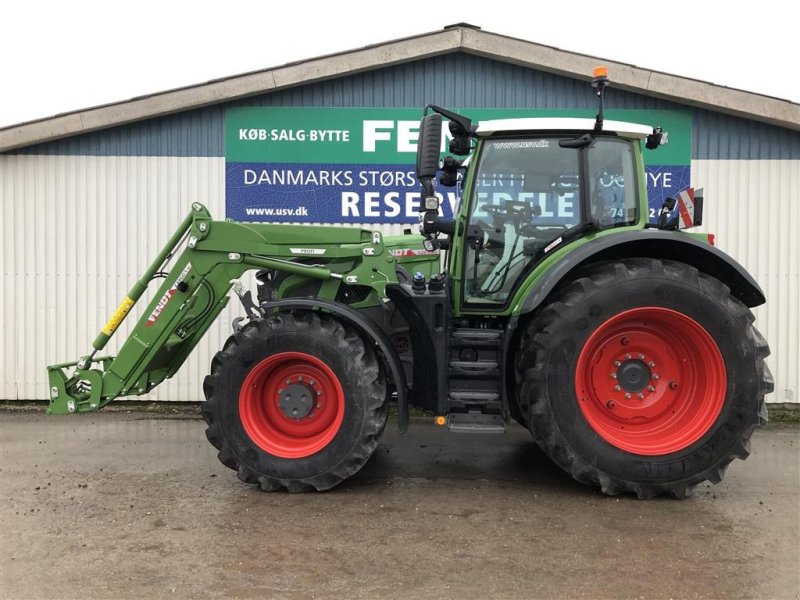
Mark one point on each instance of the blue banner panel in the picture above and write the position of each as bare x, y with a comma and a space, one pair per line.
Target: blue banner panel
326, 193
363, 193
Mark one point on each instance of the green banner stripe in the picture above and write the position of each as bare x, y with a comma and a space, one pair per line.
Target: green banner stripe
304, 135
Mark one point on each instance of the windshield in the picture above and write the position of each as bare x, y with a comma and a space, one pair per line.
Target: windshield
527, 194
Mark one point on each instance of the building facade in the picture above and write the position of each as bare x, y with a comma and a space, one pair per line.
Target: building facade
88, 198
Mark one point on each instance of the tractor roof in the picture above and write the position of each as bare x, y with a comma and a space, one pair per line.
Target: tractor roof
550, 124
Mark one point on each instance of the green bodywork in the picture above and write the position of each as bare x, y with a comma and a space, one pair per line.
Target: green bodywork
215, 256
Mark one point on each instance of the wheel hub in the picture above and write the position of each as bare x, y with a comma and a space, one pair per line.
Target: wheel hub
291, 404
633, 375
650, 381
296, 400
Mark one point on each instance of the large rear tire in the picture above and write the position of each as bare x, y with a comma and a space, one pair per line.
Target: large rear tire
296, 401
643, 376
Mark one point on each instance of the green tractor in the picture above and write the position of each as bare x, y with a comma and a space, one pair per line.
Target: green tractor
627, 349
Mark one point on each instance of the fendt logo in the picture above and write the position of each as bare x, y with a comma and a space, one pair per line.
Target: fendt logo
151, 320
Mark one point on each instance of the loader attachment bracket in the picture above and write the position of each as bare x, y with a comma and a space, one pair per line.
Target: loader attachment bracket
80, 391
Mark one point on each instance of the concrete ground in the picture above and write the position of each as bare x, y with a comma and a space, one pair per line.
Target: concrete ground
131, 506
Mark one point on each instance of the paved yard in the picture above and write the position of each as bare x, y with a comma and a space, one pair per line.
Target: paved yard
120, 505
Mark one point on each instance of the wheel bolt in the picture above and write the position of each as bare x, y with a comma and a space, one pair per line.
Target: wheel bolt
651, 364
627, 395
319, 393
311, 382
300, 378
617, 388
655, 377
650, 388
673, 385
640, 396
641, 357
280, 391
617, 363
613, 376
319, 405
611, 404
288, 381
628, 357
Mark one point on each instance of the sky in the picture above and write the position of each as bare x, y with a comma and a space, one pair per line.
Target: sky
61, 56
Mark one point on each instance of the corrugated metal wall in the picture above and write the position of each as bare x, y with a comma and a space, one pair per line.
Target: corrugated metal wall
78, 232
752, 206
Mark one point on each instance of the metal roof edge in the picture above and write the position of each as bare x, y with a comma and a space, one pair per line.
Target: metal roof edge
216, 91
683, 90
461, 37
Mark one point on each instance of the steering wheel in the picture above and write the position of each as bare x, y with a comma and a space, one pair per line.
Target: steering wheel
520, 214
496, 212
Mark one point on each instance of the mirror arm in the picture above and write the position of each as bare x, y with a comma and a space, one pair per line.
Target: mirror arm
465, 123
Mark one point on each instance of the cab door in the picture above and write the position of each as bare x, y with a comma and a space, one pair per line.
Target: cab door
529, 195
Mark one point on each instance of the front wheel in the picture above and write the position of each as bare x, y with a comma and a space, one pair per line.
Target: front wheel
296, 401
643, 376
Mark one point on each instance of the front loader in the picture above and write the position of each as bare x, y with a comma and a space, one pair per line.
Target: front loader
627, 349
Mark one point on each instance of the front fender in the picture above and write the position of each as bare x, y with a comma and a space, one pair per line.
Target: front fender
368, 329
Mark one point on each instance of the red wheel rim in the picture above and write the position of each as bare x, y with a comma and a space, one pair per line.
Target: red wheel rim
651, 381
291, 404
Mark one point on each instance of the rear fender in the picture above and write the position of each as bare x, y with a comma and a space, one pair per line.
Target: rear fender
648, 243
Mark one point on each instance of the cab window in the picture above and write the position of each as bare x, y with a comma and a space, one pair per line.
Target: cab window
612, 185
528, 193
525, 195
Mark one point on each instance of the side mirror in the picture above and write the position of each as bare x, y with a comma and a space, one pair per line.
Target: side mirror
430, 142
656, 139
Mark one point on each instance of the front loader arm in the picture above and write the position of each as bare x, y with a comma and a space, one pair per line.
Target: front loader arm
213, 256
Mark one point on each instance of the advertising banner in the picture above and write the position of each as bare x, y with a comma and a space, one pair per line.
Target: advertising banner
356, 165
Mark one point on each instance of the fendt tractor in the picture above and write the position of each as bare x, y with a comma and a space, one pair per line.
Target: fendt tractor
626, 347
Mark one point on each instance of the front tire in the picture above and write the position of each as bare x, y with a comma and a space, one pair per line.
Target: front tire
295, 401
643, 376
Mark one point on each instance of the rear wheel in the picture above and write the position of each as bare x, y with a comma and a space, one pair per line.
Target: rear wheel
295, 401
643, 376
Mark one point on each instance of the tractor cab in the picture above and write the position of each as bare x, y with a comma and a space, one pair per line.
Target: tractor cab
532, 186
528, 197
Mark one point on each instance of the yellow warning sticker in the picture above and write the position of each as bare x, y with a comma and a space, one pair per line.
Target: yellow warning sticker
118, 315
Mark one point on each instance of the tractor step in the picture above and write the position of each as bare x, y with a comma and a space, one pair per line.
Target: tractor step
489, 401
474, 396
474, 422
474, 368
476, 338
474, 377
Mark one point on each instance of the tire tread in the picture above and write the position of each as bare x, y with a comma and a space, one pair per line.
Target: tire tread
350, 344
539, 338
